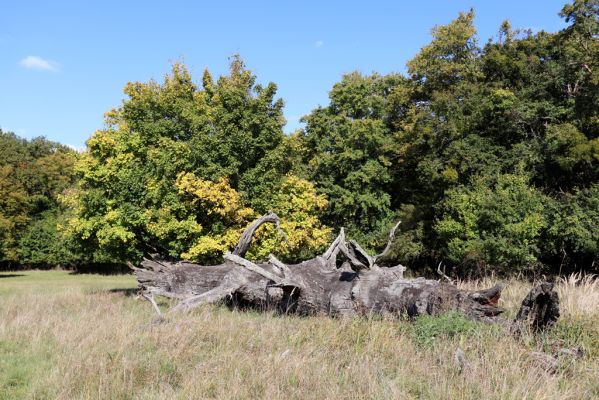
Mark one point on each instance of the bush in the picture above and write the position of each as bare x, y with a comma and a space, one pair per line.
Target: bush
494, 226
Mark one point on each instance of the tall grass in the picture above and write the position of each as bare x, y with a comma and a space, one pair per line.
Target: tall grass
87, 337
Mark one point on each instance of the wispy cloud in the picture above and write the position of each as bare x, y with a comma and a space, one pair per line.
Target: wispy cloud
318, 43
38, 63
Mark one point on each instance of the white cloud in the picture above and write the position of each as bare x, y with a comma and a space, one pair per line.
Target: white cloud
319, 43
78, 149
38, 63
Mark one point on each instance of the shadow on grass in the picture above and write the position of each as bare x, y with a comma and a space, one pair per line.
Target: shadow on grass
10, 275
101, 269
128, 292
99, 272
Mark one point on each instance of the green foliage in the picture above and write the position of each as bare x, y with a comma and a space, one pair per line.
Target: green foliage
489, 154
33, 174
179, 167
446, 147
580, 66
41, 244
450, 58
347, 148
13, 212
497, 225
573, 229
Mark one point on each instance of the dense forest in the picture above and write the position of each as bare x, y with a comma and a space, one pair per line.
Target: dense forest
33, 177
487, 153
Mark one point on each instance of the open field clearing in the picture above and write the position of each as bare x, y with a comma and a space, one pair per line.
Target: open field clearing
67, 336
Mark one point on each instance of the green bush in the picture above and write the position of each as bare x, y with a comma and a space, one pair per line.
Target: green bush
495, 226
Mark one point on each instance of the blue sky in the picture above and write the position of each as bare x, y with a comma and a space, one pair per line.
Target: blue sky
63, 64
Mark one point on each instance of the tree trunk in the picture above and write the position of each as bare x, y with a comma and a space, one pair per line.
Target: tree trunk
344, 280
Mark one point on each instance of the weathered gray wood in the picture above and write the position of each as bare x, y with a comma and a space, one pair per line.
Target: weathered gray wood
540, 308
344, 280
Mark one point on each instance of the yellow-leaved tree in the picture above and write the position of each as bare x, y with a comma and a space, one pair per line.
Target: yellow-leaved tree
298, 205
295, 201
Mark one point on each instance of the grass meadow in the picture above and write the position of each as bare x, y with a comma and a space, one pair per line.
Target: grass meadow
69, 336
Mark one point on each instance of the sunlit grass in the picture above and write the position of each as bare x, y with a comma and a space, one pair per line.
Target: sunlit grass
66, 336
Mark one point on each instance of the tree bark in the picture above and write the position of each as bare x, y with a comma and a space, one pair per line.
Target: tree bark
344, 280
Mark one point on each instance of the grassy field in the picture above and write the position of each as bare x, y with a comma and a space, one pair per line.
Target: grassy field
65, 336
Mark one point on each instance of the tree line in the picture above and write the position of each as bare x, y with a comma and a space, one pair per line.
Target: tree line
488, 154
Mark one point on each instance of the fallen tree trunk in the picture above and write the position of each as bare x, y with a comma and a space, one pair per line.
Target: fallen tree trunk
344, 280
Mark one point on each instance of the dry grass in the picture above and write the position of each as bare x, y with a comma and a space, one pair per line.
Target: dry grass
74, 337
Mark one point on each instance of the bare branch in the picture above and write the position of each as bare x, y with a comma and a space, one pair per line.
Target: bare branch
442, 273
281, 231
583, 65
150, 298
215, 295
247, 264
131, 266
333, 250
247, 236
389, 243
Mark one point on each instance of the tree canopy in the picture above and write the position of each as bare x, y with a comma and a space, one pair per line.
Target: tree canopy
487, 152
33, 175
479, 149
181, 170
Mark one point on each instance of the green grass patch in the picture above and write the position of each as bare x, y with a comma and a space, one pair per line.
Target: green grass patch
427, 328
20, 367
574, 333
58, 280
